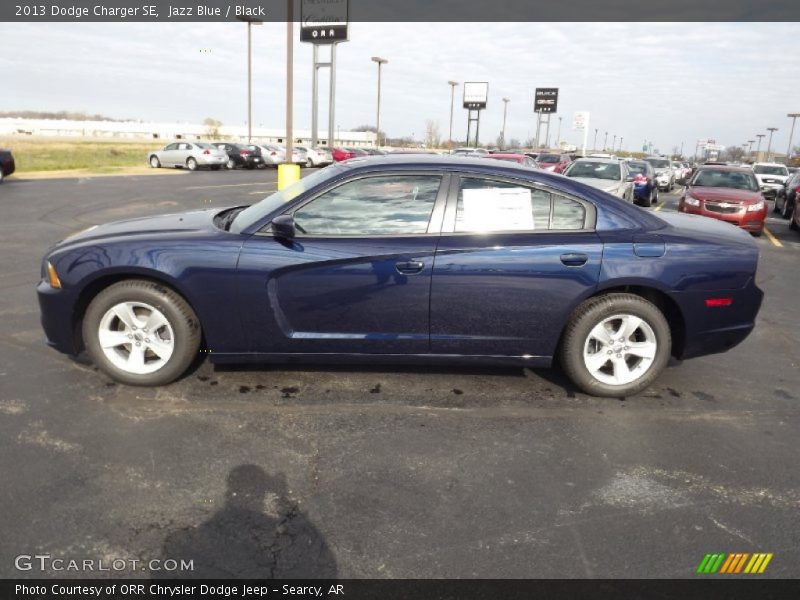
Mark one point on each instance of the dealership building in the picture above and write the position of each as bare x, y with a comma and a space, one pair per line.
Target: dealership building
138, 130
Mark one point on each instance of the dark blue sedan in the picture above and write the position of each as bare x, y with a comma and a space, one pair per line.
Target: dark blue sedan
407, 259
645, 187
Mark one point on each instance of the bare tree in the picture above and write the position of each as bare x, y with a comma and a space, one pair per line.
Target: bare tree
433, 138
212, 127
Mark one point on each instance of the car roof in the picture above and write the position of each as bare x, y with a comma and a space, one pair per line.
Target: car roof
505, 155
768, 164
597, 159
724, 167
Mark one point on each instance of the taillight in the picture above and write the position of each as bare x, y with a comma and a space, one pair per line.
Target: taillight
273, 153
797, 189
206, 151
640, 179
244, 152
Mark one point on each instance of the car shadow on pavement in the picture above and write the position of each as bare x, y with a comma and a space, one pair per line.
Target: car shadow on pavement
259, 533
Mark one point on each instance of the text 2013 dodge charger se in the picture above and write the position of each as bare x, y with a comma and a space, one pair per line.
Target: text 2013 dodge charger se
407, 259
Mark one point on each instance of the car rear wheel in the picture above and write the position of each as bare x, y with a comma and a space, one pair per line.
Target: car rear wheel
231, 164
191, 164
793, 221
310, 163
154, 162
615, 345
775, 205
141, 333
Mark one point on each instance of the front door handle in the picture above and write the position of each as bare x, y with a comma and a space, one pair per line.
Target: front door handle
409, 267
574, 259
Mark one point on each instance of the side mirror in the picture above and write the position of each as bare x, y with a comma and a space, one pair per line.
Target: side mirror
629, 178
283, 226
682, 181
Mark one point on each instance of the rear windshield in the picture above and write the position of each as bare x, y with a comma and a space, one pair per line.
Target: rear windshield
637, 168
205, 146
594, 170
736, 180
770, 170
658, 163
549, 158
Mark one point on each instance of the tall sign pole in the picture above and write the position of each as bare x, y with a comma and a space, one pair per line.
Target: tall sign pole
793, 117
580, 122
545, 102
323, 23
453, 85
476, 95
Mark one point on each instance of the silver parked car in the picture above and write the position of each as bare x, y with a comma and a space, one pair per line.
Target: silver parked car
316, 157
607, 174
190, 155
665, 173
273, 154
299, 157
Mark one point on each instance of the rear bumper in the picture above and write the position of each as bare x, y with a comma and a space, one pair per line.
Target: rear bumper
711, 330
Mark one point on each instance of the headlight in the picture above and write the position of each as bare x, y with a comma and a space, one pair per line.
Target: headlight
52, 276
756, 207
691, 201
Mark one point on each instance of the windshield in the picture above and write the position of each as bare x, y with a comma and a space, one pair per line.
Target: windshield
736, 180
770, 170
658, 163
594, 170
549, 158
205, 146
637, 168
258, 211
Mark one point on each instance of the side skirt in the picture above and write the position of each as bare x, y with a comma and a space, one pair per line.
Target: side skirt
383, 359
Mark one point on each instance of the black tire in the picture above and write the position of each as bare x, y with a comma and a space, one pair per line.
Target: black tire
592, 312
792, 222
182, 319
154, 162
775, 205
191, 164
310, 163
786, 212
231, 164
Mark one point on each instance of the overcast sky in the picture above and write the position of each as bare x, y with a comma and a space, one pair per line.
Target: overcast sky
668, 83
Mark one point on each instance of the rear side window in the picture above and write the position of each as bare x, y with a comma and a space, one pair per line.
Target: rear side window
486, 206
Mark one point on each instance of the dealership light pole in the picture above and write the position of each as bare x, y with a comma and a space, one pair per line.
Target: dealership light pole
380, 61
614, 143
453, 85
605, 142
750, 149
250, 21
558, 134
760, 136
769, 145
505, 112
594, 143
620, 143
793, 117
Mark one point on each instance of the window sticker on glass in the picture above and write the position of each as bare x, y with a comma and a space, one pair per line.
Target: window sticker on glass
497, 209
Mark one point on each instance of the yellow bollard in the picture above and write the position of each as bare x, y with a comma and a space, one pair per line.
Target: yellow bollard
287, 175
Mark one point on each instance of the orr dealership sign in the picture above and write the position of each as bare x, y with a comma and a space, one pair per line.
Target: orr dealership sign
323, 21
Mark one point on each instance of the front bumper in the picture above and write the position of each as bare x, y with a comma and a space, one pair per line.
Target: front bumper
770, 190
663, 181
56, 308
749, 221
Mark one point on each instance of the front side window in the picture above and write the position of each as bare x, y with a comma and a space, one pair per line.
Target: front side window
486, 206
386, 205
594, 170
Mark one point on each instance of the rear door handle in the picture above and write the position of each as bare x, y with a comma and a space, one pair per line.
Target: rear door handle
574, 259
410, 266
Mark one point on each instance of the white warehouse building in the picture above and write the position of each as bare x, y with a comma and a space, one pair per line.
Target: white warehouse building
172, 131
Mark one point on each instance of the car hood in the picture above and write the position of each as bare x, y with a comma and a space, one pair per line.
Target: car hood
606, 185
762, 176
192, 221
724, 195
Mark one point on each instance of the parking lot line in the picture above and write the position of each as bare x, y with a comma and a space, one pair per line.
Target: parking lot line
227, 185
660, 206
775, 241
262, 192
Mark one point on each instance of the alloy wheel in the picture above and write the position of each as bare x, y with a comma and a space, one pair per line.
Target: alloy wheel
136, 337
620, 349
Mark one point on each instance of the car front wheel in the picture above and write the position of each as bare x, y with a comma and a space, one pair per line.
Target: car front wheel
154, 162
191, 164
615, 345
141, 333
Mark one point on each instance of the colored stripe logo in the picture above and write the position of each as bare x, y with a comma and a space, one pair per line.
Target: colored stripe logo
737, 562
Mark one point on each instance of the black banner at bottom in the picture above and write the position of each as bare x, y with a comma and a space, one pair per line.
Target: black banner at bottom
370, 589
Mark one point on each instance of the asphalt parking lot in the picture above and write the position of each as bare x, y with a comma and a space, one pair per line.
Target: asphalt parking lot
377, 471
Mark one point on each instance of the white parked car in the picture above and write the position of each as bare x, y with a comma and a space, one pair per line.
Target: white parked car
273, 154
607, 174
190, 155
771, 177
665, 174
316, 157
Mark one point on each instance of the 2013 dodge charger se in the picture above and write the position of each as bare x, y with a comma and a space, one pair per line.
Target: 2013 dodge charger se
407, 259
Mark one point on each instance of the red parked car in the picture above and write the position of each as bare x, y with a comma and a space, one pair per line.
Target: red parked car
340, 154
730, 194
515, 158
556, 163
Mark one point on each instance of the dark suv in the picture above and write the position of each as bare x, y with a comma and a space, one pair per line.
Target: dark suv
7, 166
240, 155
